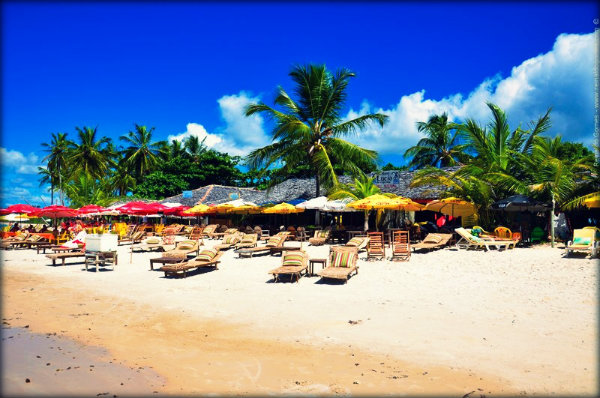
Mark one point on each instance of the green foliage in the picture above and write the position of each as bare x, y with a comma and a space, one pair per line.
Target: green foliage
159, 185
390, 166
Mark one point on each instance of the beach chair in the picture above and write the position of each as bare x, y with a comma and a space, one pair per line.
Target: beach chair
248, 240
293, 263
64, 256
375, 247
537, 234
229, 241
275, 241
400, 246
196, 233
320, 237
584, 240
432, 242
503, 232
181, 250
209, 230
469, 241
152, 243
342, 263
206, 258
228, 231
360, 242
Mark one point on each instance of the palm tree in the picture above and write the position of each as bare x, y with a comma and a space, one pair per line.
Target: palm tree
440, 146
173, 150
142, 155
56, 160
363, 187
84, 189
194, 147
91, 156
308, 130
121, 180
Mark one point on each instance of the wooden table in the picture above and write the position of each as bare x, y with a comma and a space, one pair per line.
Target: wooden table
103, 259
312, 262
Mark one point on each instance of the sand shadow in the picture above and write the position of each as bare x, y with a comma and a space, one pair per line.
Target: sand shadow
197, 271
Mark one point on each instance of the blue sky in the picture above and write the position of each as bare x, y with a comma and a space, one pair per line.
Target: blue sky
190, 68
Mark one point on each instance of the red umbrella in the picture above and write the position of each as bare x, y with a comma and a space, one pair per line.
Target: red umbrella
176, 211
57, 211
91, 209
20, 208
142, 208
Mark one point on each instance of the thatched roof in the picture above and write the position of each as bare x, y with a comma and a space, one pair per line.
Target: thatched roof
303, 188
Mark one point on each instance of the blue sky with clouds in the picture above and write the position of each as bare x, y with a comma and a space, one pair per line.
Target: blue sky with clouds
190, 68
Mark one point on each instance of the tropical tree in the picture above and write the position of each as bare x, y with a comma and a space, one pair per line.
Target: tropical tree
194, 147
363, 187
309, 129
56, 163
440, 147
141, 154
91, 155
84, 189
121, 179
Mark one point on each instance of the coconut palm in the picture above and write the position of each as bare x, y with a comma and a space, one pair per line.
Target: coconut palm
142, 155
84, 189
440, 145
309, 129
56, 161
121, 179
90, 156
194, 147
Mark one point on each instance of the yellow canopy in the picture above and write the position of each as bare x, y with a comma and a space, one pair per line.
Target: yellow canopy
282, 208
376, 201
454, 207
250, 209
238, 204
199, 209
593, 201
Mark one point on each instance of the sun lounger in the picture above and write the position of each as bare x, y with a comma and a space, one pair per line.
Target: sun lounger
432, 242
342, 263
228, 231
180, 252
375, 247
293, 263
360, 242
469, 241
206, 258
584, 240
400, 246
152, 243
229, 241
319, 238
274, 241
248, 240
63, 256
208, 231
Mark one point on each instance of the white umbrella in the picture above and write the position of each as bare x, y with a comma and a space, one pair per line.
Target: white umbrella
314, 204
13, 217
171, 204
339, 205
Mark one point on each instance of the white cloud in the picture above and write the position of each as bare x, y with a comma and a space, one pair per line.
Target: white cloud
562, 78
22, 164
240, 134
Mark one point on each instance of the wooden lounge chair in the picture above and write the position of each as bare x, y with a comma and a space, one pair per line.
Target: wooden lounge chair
400, 246
342, 263
229, 241
228, 231
64, 256
275, 241
196, 233
360, 242
248, 240
152, 243
181, 251
584, 240
469, 241
206, 258
375, 247
293, 263
24, 243
208, 231
320, 237
432, 242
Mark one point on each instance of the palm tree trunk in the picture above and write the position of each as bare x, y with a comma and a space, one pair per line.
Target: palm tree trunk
366, 224
552, 222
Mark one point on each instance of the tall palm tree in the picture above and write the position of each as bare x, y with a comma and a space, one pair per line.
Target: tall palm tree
142, 155
84, 189
440, 146
194, 147
91, 156
56, 161
308, 130
363, 187
121, 179
173, 150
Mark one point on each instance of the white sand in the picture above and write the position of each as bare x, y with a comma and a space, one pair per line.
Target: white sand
526, 315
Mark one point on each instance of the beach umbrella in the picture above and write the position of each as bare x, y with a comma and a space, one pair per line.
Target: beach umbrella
199, 209
140, 208
233, 204
14, 217
57, 211
373, 202
338, 205
593, 201
314, 204
90, 209
454, 207
519, 203
282, 208
406, 204
176, 211
21, 208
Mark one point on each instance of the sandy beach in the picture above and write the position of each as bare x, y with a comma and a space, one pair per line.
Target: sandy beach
518, 322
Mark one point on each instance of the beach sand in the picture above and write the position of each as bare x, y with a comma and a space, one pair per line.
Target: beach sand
522, 321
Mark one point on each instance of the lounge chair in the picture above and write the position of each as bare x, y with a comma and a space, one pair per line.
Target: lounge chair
360, 242
182, 249
196, 233
375, 247
503, 232
342, 263
228, 231
152, 243
248, 240
432, 242
320, 237
400, 246
275, 241
229, 241
24, 243
537, 234
208, 231
293, 263
206, 258
469, 241
64, 256
585, 240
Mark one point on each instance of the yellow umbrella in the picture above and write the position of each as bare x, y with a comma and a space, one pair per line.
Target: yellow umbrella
200, 209
282, 208
376, 201
407, 204
454, 207
593, 201
248, 209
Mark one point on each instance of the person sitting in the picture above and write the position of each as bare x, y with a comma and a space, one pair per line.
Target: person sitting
15, 227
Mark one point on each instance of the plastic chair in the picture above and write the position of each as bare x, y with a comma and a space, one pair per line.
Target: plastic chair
503, 232
537, 234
